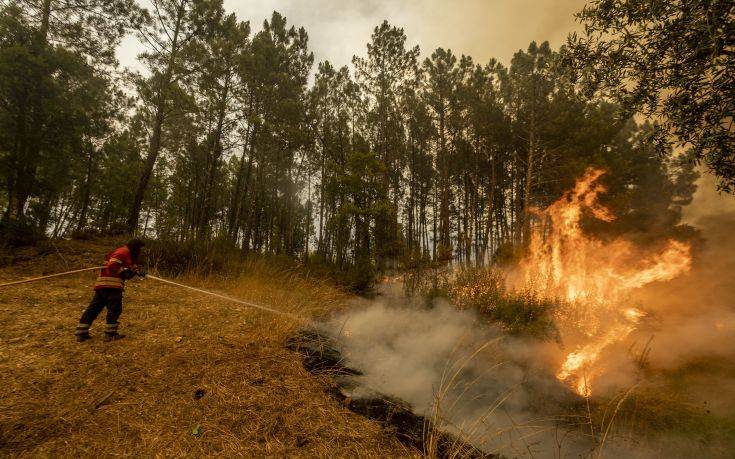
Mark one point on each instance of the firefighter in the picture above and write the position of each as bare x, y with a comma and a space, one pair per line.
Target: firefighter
120, 265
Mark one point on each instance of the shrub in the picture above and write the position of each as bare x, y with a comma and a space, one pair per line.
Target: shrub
19, 233
201, 257
359, 277
428, 279
85, 234
483, 290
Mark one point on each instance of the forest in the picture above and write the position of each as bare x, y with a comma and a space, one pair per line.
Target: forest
410, 253
233, 134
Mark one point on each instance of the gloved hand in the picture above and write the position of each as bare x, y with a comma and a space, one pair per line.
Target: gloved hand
127, 273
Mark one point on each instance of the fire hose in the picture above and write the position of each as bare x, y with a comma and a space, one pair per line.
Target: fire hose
34, 279
169, 282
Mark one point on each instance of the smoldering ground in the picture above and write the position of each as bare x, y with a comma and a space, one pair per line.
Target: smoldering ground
468, 377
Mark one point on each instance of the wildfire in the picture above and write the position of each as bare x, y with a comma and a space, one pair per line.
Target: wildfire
592, 277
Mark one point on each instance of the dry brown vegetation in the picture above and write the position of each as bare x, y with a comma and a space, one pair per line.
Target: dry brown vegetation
138, 396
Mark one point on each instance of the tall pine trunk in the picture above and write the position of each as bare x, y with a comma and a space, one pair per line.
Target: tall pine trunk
82, 222
528, 182
154, 146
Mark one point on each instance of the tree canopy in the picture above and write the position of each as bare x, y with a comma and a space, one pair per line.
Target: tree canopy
403, 159
673, 60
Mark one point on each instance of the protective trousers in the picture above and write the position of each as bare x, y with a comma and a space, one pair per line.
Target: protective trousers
110, 298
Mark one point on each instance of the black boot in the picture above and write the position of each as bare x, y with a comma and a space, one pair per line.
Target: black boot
82, 332
111, 333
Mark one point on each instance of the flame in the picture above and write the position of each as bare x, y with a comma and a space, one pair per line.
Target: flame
592, 277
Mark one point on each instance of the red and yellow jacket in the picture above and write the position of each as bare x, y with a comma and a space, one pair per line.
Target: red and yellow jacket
116, 261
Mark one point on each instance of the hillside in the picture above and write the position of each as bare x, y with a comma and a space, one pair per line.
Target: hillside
142, 396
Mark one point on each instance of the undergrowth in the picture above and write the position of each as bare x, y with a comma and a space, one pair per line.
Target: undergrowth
483, 290
218, 257
223, 258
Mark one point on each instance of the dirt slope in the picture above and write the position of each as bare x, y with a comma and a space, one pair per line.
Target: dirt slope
137, 397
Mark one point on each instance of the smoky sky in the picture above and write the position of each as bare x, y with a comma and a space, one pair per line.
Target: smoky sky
483, 29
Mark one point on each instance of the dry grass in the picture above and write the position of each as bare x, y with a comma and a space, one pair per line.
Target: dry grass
258, 400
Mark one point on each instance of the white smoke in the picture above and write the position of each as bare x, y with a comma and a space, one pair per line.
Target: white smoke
491, 389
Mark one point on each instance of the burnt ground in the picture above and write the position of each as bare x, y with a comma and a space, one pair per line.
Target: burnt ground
322, 357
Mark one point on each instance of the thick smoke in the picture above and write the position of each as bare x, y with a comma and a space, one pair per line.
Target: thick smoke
696, 312
691, 319
693, 316
493, 390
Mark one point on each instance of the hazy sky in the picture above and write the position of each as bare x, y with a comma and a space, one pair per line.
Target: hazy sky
338, 29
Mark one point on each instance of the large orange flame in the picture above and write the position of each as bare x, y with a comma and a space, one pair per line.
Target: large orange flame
592, 277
